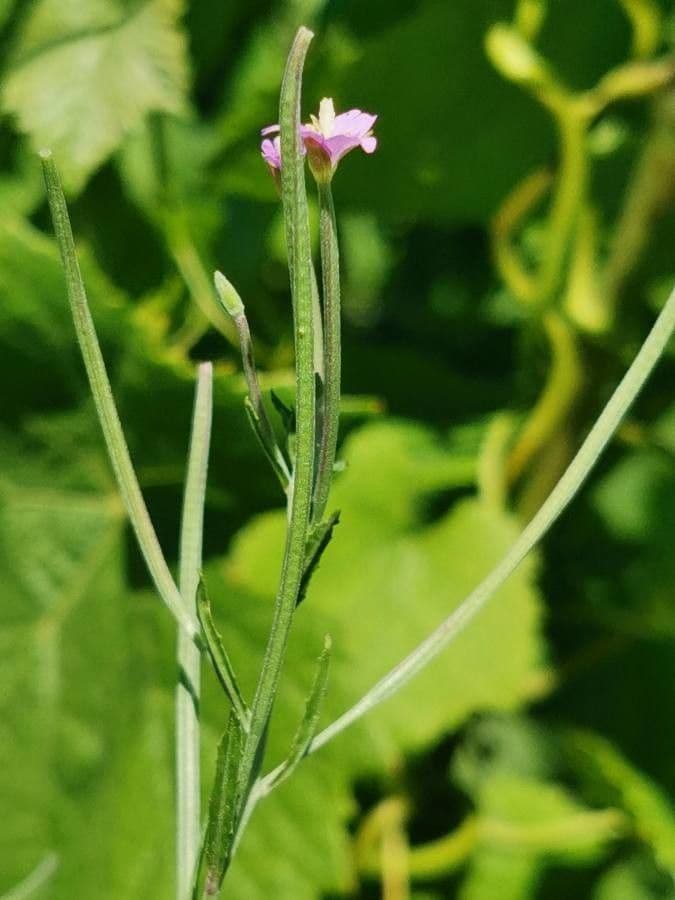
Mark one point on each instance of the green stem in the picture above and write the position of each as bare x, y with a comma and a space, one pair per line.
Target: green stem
568, 200
330, 267
650, 193
510, 216
261, 422
299, 249
33, 884
105, 407
556, 400
189, 657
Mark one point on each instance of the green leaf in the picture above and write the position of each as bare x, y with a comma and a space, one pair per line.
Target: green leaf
320, 536
83, 75
634, 879
224, 807
612, 777
495, 873
218, 654
524, 825
36, 329
308, 725
80, 734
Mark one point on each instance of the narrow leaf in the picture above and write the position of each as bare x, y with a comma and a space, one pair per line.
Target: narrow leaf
105, 405
223, 807
286, 413
319, 538
272, 452
310, 720
218, 655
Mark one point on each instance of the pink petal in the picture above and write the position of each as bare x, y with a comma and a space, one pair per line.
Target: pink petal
369, 144
270, 129
354, 123
339, 145
271, 152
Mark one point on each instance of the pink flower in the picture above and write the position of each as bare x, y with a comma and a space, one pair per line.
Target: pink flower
326, 139
271, 150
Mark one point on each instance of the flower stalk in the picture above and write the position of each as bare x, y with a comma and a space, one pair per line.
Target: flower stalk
255, 407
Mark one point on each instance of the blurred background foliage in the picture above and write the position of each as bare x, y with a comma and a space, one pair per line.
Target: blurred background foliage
504, 254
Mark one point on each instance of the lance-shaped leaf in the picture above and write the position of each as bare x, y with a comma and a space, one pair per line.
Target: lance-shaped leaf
269, 446
219, 658
319, 538
310, 720
223, 807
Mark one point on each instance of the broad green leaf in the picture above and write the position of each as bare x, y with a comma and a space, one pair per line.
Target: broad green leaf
84, 730
83, 75
506, 875
36, 330
606, 772
634, 879
539, 818
523, 826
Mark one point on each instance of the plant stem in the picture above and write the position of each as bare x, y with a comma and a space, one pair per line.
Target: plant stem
556, 400
106, 409
300, 265
649, 194
34, 883
189, 657
569, 197
512, 212
553, 507
262, 424
330, 268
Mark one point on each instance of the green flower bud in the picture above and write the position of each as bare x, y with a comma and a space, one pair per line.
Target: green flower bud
228, 296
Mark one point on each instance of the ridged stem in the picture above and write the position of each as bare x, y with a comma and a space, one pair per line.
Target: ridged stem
188, 655
300, 494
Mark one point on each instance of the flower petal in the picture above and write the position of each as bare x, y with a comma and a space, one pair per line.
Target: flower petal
339, 145
369, 144
354, 123
270, 129
271, 152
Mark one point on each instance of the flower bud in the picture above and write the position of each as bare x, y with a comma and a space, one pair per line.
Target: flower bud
228, 296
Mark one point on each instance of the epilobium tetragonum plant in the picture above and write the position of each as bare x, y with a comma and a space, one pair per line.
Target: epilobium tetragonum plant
304, 463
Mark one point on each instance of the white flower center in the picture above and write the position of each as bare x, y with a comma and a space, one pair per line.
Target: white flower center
326, 120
